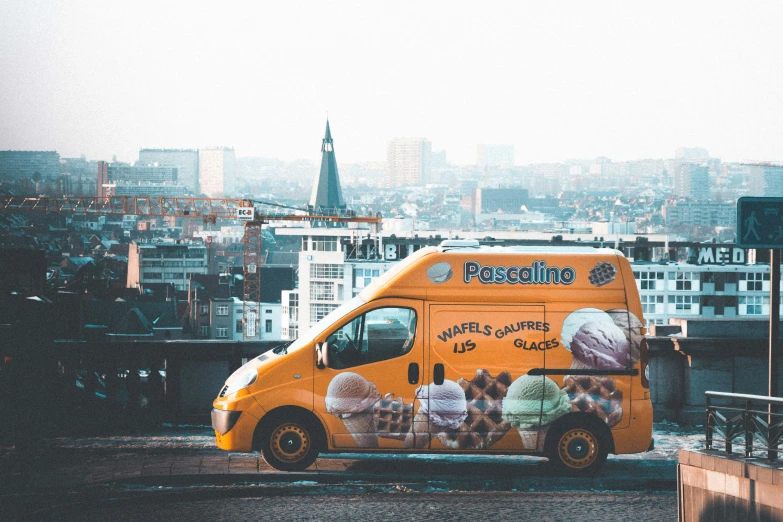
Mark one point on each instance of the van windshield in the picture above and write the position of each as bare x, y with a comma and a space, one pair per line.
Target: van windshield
339, 312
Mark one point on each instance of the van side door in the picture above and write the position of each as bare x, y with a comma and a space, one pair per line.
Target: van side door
476, 353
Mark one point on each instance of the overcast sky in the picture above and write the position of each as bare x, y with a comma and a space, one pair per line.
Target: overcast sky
558, 80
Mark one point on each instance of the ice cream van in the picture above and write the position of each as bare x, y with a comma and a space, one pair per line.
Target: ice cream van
459, 348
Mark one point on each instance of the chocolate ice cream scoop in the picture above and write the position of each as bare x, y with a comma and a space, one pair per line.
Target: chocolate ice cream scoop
602, 346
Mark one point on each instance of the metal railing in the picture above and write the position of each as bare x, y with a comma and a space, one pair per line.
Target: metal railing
751, 421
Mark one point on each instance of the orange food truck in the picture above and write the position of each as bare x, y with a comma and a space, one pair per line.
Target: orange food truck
459, 349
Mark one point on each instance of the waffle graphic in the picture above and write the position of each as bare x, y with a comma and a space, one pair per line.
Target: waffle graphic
597, 395
602, 273
484, 424
392, 417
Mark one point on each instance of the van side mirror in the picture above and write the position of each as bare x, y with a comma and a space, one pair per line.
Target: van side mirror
321, 355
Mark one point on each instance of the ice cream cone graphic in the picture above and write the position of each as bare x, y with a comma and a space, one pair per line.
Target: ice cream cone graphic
352, 398
532, 404
533, 439
442, 409
419, 436
361, 426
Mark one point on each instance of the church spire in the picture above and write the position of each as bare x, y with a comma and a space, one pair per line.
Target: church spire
327, 193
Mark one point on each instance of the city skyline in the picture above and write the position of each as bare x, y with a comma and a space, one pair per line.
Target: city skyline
555, 81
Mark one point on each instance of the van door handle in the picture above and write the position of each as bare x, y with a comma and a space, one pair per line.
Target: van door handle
413, 373
438, 374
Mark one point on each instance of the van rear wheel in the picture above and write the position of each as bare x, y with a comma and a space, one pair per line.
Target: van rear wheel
289, 445
577, 449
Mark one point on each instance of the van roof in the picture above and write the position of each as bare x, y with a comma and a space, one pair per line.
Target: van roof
446, 246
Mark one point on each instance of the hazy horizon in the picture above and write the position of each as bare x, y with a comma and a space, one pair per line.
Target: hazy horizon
558, 81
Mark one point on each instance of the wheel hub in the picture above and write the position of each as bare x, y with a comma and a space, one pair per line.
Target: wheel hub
290, 442
578, 448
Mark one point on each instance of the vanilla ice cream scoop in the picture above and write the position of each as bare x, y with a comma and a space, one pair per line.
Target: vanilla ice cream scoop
349, 393
445, 404
601, 346
534, 401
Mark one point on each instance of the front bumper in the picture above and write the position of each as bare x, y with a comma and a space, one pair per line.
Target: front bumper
239, 426
223, 421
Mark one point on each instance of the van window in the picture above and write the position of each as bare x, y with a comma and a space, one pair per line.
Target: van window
378, 335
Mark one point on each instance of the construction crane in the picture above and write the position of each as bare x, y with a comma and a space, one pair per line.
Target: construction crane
253, 213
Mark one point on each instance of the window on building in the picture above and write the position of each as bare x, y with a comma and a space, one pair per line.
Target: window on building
378, 335
647, 279
205, 331
755, 281
267, 310
221, 333
684, 280
649, 302
320, 310
362, 277
321, 291
324, 243
221, 310
326, 271
683, 302
268, 326
239, 326
153, 275
204, 309
752, 304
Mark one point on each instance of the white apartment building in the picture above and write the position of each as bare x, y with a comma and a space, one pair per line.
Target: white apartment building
217, 172
165, 261
408, 162
326, 278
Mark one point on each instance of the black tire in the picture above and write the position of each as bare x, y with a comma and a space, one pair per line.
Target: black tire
289, 443
576, 447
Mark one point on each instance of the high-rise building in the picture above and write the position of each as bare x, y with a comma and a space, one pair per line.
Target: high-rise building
765, 179
327, 193
103, 179
495, 155
408, 162
692, 181
185, 160
21, 164
217, 171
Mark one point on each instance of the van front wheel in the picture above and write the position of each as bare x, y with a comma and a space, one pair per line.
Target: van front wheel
577, 449
289, 445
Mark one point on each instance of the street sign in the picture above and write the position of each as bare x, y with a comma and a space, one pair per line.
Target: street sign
760, 222
246, 213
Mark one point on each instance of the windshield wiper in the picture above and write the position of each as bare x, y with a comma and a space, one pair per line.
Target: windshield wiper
283, 348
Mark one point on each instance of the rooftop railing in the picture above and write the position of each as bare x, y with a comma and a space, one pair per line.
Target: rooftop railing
752, 422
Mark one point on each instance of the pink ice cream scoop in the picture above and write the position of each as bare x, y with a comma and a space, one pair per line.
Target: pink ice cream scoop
601, 345
446, 407
350, 393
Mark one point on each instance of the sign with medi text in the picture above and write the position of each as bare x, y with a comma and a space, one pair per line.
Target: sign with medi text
760, 222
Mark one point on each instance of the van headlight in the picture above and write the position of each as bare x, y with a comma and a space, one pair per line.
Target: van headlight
240, 381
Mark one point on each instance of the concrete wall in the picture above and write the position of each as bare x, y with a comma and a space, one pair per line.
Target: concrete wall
690, 357
719, 487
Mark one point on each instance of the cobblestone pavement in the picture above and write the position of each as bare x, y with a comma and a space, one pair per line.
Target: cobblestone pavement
472, 506
178, 460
